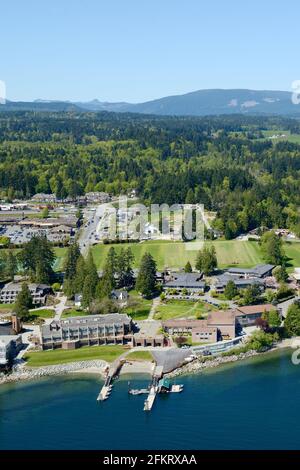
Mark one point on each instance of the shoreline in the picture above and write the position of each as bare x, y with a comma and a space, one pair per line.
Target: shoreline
98, 367
21, 373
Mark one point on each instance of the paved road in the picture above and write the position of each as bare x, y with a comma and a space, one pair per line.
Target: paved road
155, 303
283, 306
89, 229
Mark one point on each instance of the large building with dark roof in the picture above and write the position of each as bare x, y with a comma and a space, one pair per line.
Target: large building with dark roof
189, 281
73, 332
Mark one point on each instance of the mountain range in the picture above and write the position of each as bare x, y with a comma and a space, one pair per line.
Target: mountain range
196, 103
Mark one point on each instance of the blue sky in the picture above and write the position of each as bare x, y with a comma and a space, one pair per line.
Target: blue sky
137, 50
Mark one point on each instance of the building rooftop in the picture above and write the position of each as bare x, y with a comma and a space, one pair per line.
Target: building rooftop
253, 309
6, 339
259, 270
220, 317
185, 280
87, 320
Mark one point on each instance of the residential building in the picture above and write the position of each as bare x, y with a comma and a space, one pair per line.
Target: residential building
73, 332
218, 326
247, 316
182, 326
9, 347
240, 283
10, 291
120, 295
224, 321
260, 271
204, 334
191, 282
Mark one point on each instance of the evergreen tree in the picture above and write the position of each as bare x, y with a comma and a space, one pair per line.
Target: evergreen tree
230, 290
271, 246
23, 302
70, 268
107, 282
38, 257
280, 274
292, 321
274, 319
188, 268
146, 280
206, 261
81, 273
11, 265
72, 256
124, 269
251, 294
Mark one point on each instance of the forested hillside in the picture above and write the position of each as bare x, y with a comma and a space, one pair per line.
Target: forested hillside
224, 162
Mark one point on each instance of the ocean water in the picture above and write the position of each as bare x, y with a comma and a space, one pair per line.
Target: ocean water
250, 405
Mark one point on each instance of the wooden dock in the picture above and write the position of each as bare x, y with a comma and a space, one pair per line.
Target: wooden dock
151, 398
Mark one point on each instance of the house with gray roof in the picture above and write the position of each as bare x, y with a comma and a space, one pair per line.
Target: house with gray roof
259, 271
10, 291
240, 283
191, 282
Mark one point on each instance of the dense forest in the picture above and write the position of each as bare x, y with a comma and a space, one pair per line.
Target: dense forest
223, 162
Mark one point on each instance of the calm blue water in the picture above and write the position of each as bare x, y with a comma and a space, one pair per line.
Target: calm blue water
253, 405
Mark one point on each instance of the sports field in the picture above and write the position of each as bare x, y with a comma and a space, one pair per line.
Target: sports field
175, 254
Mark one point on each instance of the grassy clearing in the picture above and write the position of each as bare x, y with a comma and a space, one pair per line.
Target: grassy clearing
86, 353
42, 313
294, 138
6, 308
60, 254
292, 251
182, 309
175, 255
140, 356
73, 312
138, 308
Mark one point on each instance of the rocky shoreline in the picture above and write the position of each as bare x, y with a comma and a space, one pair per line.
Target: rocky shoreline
197, 365
21, 372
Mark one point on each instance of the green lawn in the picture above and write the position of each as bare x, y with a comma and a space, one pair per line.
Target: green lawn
6, 308
138, 307
60, 254
86, 353
73, 312
295, 138
175, 255
292, 251
182, 309
42, 313
140, 356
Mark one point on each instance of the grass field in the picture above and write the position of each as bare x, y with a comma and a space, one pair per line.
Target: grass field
174, 255
60, 356
6, 308
295, 138
41, 313
138, 307
140, 356
60, 254
182, 309
73, 312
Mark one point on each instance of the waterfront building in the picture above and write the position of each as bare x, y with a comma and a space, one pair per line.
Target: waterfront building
73, 332
247, 316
